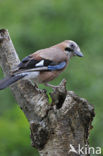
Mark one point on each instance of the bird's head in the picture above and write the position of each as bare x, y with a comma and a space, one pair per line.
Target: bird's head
72, 49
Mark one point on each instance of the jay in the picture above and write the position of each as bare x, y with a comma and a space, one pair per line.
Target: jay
44, 65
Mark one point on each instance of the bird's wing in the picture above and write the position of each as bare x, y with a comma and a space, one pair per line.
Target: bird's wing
46, 59
54, 54
29, 62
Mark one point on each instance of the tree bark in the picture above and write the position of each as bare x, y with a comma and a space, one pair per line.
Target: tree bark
56, 126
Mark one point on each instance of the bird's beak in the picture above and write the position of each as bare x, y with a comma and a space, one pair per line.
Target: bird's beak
78, 53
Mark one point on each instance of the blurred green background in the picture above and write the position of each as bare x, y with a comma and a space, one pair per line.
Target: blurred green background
37, 24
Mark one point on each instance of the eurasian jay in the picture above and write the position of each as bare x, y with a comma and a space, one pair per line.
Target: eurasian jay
44, 65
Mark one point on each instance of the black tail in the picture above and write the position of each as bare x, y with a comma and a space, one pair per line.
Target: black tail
9, 80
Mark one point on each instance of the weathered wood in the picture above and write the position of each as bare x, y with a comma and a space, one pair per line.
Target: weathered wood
53, 126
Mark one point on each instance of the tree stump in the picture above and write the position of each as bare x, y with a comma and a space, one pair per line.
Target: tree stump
57, 128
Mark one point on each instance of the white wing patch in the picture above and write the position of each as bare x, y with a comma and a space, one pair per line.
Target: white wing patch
41, 63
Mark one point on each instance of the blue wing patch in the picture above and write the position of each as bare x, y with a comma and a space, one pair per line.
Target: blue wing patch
57, 67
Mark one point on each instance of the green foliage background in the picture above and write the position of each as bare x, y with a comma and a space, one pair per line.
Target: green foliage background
37, 24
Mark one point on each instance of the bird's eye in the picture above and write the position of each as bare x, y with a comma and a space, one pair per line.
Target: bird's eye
72, 45
68, 49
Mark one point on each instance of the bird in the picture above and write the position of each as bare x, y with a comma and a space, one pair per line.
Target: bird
44, 65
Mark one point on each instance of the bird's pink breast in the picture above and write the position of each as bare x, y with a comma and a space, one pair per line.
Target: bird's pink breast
48, 76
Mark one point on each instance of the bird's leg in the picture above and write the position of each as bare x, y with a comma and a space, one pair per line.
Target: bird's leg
35, 84
36, 87
50, 85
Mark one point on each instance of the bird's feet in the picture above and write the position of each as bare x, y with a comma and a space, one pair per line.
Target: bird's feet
39, 90
52, 86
